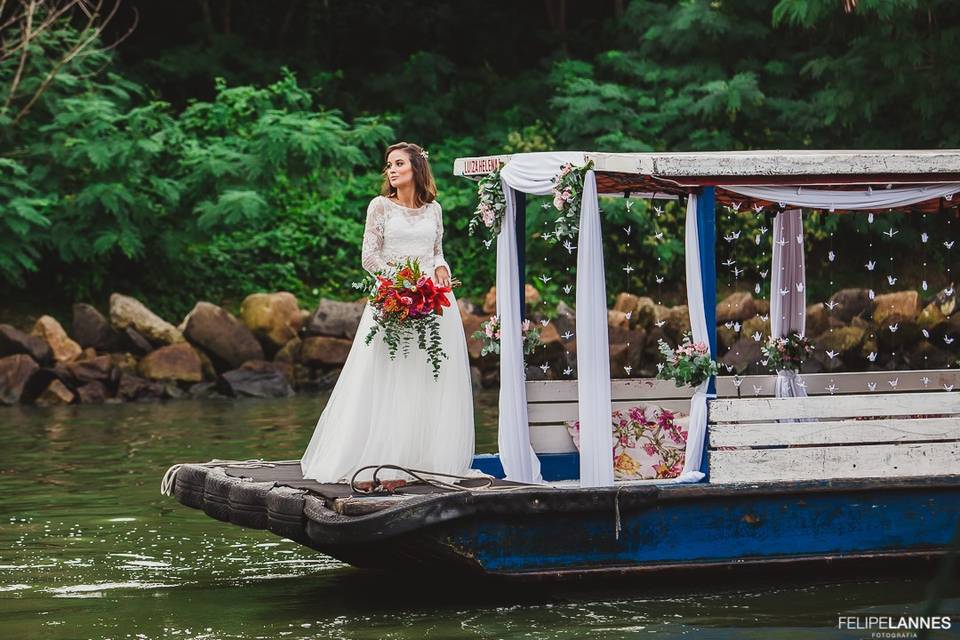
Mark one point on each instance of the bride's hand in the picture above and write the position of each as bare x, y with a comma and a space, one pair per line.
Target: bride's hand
441, 275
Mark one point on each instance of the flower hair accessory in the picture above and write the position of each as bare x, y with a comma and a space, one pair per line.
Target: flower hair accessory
424, 154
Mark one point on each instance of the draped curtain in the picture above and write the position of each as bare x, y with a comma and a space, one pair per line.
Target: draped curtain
788, 291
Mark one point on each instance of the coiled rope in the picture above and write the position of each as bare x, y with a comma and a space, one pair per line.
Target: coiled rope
425, 477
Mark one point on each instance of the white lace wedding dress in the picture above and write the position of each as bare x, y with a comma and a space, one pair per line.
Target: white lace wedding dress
385, 411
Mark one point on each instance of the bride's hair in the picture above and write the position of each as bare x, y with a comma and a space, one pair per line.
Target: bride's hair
425, 189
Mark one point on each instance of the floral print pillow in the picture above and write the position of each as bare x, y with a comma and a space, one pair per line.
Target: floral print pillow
648, 442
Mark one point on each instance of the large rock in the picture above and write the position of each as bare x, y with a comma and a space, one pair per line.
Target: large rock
290, 352
99, 369
132, 387
323, 351
55, 394
931, 316
15, 372
14, 341
130, 312
336, 319
743, 357
645, 313
92, 329
225, 339
530, 294
471, 324
273, 317
844, 342
133, 341
756, 325
50, 331
818, 319
626, 302
902, 304
618, 319
257, 379
676, 322
175, 362
849, 303
946, 300
739, 305
92, 393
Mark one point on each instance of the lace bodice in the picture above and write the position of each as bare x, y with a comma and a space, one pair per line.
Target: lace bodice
394, 232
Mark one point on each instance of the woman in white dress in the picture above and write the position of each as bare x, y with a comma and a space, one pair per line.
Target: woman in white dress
385, 411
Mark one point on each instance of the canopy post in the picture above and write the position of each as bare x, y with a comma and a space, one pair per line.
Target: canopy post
707, 230
520, 228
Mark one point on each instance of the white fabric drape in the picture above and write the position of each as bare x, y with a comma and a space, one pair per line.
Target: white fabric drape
872, 198
533, 172
520, 463
697, 430
593, 346
788, 291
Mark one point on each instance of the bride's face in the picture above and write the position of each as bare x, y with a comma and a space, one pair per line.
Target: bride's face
399, 170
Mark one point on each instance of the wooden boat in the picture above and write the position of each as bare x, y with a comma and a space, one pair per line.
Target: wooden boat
864, 470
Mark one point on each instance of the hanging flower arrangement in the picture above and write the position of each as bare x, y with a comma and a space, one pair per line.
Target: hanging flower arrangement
491, 204
689, 364
489, 333
567, 195
787, 353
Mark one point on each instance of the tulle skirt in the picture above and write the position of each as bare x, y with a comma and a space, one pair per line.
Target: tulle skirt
385, 411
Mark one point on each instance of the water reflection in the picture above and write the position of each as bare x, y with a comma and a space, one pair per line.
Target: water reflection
88, 548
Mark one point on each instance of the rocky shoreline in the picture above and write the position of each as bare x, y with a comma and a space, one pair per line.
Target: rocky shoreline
273, 348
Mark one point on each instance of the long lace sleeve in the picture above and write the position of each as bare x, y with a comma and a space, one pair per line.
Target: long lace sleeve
438, 243
372, 253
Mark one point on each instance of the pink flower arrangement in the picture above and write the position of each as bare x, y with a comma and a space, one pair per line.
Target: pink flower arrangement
489, 333
689, 364
491, 204
567, 193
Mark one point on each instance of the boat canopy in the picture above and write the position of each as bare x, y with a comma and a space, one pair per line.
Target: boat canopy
781, 182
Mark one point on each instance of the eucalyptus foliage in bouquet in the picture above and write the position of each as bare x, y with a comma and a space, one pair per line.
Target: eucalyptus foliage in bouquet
689, 364
491, 204
787, 353
567, 194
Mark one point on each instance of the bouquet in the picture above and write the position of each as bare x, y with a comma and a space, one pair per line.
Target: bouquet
491, 204
689, 364
407, 306
489, 333
567, 194
787, 353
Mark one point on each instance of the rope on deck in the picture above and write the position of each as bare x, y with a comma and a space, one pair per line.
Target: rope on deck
169, 480
426, 479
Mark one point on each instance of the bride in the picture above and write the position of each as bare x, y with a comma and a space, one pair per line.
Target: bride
385, 411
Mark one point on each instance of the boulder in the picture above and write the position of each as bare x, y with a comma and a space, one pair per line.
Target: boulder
473, 323
50, 331
133, 341
946, 300
323, 351
903, 304
743, 356
14, 341
850, 303
336, 319
257, 379
845, 342
55, 394
762, 305
99, 369
618, 319
273, 317
619, 354
726, 337
91, 329
89, 353
225, 339
756, 325
927, 356
565, 319
130, 312
931, 316
92, 393
738, 306
466, 307
176, 362
818, 319
645, 313
132, 387
626, 302
530, 293
290, 352
15, 372
676, 322
123, 362
907, 333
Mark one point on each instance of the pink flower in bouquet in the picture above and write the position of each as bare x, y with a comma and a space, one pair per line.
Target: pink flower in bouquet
566, 195
558, 202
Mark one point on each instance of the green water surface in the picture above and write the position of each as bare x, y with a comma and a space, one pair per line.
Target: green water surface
90, 549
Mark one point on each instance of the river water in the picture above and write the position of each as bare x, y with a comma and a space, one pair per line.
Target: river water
90, 549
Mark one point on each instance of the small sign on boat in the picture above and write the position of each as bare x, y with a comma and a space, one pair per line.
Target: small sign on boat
480, 166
